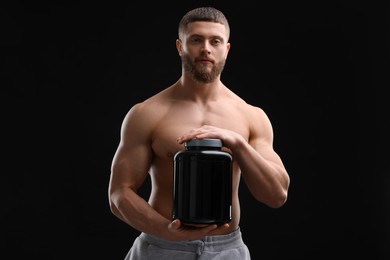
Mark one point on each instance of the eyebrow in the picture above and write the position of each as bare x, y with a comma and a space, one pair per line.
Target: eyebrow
202, 36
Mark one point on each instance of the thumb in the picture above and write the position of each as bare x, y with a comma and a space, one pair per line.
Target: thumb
174, 225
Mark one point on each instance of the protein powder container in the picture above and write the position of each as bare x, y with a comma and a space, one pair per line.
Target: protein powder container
202, 189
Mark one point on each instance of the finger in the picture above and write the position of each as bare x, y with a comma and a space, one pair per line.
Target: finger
210, 228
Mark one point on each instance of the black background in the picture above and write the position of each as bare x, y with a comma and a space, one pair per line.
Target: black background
72, 69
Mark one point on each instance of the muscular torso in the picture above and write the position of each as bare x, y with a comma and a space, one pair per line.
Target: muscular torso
176, 117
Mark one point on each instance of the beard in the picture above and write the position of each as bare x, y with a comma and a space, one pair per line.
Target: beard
202, 74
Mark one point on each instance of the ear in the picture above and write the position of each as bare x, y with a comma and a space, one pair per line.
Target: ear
179, 46
227, 49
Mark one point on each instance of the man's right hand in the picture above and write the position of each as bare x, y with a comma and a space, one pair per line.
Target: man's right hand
192, 232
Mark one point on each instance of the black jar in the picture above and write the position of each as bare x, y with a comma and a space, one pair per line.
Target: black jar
202, 188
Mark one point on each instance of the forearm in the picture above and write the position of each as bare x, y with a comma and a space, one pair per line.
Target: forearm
266, 179
132, 209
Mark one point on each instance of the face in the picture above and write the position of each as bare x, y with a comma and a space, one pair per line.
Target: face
204, 50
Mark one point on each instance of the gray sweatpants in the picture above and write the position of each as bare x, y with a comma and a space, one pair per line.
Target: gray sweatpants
227, 247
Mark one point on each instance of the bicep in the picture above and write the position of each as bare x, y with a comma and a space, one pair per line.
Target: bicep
130, 165
133, 156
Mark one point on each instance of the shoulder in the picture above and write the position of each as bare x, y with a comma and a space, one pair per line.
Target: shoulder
150, 107
249, 110
256, 118
259, 123
146, 114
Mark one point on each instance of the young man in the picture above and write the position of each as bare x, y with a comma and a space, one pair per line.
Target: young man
198, 105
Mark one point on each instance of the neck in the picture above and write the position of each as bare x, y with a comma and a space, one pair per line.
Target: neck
195, 90
187, 80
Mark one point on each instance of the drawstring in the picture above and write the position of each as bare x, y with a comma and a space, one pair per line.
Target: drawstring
199, 249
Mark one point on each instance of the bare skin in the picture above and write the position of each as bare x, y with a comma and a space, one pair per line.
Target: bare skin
154, 130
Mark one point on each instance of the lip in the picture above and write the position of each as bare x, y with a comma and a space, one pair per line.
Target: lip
205, 61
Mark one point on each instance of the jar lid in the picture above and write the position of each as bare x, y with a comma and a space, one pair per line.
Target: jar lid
208, 142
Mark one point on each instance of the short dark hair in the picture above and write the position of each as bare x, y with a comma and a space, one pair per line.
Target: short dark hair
205, 14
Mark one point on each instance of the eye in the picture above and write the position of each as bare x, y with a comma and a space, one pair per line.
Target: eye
196, 40
216, 42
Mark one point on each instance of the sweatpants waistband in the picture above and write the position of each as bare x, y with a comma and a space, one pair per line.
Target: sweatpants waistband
207, 243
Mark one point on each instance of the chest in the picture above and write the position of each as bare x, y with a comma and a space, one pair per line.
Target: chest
178, 122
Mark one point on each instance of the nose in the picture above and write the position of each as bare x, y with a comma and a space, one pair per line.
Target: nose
206, 48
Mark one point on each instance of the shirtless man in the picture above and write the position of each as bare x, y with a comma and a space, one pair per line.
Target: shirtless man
198, 105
